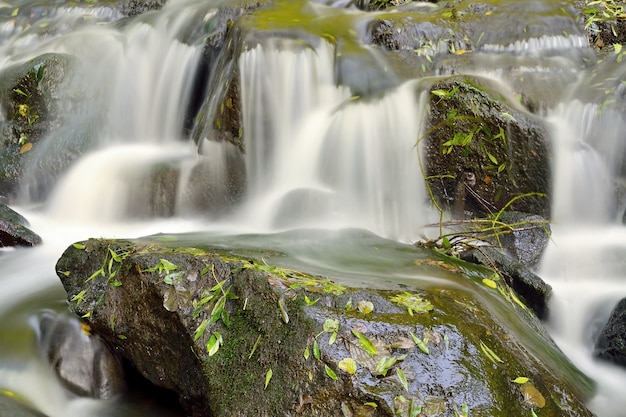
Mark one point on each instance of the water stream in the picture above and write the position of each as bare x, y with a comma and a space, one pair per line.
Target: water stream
317, 157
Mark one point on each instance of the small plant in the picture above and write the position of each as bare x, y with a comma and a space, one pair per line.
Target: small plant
601, 11
412, 302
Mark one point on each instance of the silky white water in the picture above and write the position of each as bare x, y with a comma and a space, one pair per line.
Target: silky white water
317, 156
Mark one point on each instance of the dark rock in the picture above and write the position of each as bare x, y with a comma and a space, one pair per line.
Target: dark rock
535, 291
528, 238
14, 229
83, 362
611, 342
483, 153
238, 337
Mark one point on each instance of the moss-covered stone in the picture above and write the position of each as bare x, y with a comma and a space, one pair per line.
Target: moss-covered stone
483, 153
282, 334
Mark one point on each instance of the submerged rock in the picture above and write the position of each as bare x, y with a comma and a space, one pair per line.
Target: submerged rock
14, 229
236, 336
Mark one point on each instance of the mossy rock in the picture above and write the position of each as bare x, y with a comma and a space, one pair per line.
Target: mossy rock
236, 336
484, 152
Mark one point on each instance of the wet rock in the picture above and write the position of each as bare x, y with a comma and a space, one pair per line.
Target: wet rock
528, 238
535, 291
31, 95
610, 344
14, 229
483, 152
82, 361
236, 336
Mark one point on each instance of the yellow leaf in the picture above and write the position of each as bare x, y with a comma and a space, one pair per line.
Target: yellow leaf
365, 307
520, 380
490, 283
84, 327
532, 396
26, 147
462, 51
348, 365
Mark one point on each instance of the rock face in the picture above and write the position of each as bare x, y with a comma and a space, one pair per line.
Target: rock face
14, 230
237, 337
82, 361
483, 154
611, 341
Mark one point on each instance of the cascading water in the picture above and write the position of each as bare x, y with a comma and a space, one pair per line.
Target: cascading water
317, 155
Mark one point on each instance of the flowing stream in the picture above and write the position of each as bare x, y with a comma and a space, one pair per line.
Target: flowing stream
317, 158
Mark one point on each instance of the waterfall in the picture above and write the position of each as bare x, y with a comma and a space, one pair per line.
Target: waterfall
317, 153
584, 262
317, 156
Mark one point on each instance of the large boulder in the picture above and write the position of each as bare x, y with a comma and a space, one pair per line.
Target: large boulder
235, 336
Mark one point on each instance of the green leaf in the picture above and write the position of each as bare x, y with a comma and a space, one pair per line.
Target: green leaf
215, 341
308, 301
20, 92
402, 378
439, 93
79, 246
332, 338
307, 353
117, 258
200, 330
256, 344
491, 355
39, 75
283, 309
330, 373
520, 380
492, 158
316, 350
508, 116
268, 377
95, 274
79, 297
384, 364
331, 325
420, 344
167, 266
365, 343
347, 365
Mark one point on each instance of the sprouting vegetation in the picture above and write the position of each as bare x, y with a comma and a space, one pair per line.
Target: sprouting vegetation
603, 11
293, 279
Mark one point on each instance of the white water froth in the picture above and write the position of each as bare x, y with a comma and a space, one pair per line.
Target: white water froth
584, 260
102, 186
540, 44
